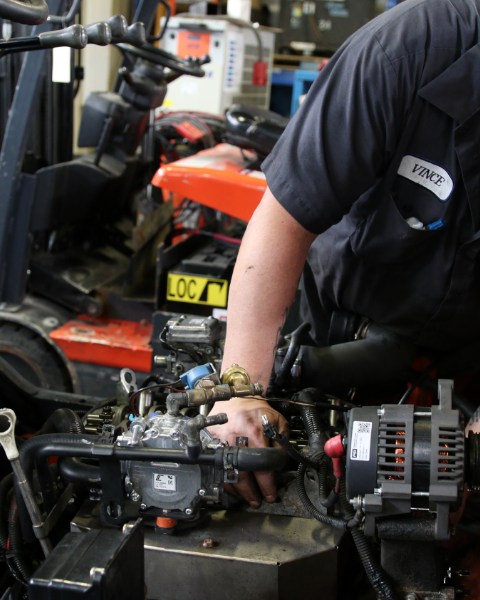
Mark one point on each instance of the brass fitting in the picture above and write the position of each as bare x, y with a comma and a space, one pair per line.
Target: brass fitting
236, 375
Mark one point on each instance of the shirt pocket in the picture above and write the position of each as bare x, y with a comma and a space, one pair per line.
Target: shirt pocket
385, 237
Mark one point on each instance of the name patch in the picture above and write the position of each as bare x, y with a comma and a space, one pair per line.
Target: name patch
428, 175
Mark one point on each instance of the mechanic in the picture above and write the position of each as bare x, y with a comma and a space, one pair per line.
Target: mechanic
377, 178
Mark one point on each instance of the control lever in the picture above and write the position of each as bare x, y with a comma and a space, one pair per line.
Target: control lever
7, 441
136, 34
99, 33
74, 36
119, 27
32, 12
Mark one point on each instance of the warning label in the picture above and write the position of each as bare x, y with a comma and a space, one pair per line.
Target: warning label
197, 290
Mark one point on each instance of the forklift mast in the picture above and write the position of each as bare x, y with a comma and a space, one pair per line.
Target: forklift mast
16, 186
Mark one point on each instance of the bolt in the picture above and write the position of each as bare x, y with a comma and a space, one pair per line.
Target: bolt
209, 543
356, 502
188, 511
51, 322
201, 492
135, 496
143, 506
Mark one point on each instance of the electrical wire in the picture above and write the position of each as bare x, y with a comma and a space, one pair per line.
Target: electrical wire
136, 393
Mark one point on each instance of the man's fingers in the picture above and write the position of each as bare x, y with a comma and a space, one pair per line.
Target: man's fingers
247, 489
266, 483
244, 427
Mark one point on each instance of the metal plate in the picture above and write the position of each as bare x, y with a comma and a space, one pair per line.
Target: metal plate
241, 555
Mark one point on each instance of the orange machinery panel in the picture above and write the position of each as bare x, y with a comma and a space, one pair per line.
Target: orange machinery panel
112, 343
218, 178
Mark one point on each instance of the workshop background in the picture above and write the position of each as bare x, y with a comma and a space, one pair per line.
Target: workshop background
132, 138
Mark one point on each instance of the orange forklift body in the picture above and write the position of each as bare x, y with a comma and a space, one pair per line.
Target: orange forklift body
218, 178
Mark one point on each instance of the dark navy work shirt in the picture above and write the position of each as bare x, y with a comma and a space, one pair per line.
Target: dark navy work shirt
382, 160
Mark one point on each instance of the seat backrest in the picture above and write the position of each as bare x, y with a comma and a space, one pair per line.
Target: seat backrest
253, 128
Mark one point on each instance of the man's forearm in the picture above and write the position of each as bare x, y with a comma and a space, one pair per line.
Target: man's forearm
263, 287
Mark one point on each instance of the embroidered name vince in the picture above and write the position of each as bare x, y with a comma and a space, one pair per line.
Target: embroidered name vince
428, 175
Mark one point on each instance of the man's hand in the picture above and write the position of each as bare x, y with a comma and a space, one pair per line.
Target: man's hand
245, 419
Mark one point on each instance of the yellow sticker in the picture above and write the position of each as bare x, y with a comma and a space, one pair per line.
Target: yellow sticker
197, 290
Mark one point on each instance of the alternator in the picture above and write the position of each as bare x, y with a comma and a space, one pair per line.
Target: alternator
402, 459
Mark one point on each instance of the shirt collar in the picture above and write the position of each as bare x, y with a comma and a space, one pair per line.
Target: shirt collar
456, 91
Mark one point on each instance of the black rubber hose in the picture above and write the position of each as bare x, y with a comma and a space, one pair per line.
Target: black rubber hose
377, 577
74, 470
62, 420
317, 436
6, 487
381, 356
40, 448
260, 459
335, 522
22, 570
30, 458
294, 454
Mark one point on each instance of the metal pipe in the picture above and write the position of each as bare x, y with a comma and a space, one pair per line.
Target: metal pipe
7, 440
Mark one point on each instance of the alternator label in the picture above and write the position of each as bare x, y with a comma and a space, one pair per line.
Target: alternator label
361, 440
165, 482
197, 290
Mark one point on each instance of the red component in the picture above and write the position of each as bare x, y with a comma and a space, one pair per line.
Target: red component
165, 523
334, 447
335, 450
217, 178
112, 343
259, 73
189, 131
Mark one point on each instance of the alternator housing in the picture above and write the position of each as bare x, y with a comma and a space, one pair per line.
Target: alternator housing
402, 459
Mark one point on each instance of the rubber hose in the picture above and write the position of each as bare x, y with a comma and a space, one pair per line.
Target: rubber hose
15, 537
260, 459
381, 356
316, 436
62, 420
376, 575
335, 522
85, 446
6, 486
29, 453
76, 471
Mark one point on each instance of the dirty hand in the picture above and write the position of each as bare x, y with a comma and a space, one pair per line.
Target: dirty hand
245, 419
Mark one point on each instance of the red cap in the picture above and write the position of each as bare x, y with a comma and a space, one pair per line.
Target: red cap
334, 447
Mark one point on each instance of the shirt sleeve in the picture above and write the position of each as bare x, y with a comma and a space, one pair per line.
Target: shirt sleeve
341, 139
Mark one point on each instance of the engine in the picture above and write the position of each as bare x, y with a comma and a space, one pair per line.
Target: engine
377, 486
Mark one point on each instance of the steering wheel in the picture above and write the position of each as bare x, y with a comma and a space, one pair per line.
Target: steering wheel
160, 57
29, 12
